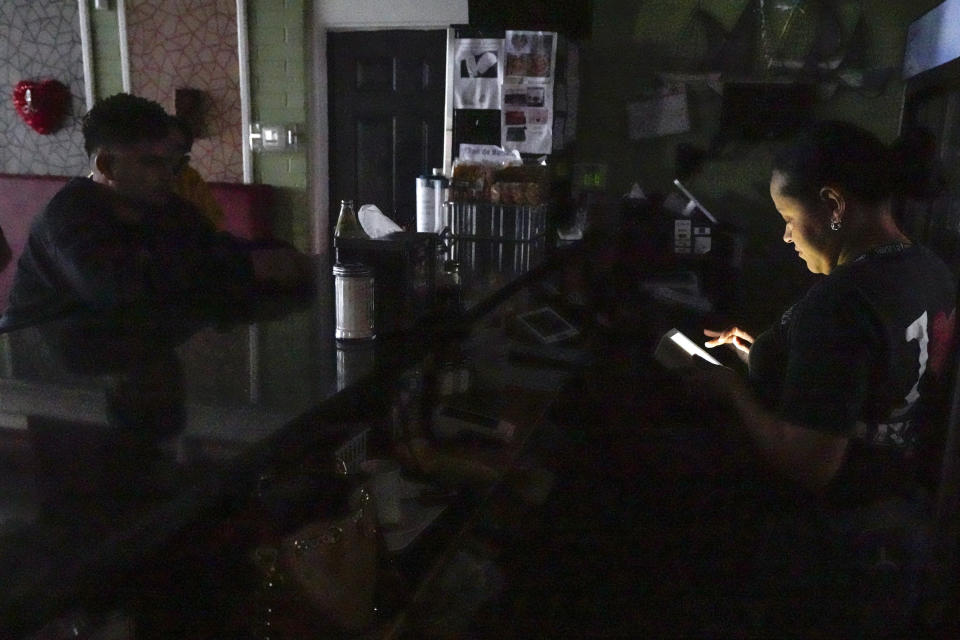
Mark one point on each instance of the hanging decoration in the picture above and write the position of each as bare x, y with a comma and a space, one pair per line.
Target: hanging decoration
42, 104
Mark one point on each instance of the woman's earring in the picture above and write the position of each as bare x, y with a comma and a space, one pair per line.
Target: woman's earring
835, 225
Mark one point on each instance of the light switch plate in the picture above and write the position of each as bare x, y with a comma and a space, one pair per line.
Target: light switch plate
274, 137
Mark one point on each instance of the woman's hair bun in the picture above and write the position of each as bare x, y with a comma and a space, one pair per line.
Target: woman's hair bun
915, 168
849, 156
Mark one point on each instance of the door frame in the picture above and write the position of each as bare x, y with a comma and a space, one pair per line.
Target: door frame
353, 15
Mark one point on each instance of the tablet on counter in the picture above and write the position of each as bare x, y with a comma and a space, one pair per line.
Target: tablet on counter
547, 325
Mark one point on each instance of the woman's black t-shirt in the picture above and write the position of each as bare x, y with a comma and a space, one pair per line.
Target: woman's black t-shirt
863, 355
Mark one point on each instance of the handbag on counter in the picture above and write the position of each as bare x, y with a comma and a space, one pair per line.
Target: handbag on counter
322, 575
332, 563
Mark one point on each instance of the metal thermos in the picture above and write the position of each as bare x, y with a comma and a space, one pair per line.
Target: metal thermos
426, 205
431, 196
353, 297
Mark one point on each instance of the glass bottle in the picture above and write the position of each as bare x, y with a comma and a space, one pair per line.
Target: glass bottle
348, 228
440, 189
449, 290
348, 225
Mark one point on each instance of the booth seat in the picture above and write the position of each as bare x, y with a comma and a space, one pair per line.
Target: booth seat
247, 208
248, 212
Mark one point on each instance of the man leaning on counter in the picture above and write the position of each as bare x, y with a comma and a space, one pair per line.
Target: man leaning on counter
118, 271
122, 237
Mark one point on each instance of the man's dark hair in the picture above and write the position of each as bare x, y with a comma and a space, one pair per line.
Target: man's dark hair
123, 119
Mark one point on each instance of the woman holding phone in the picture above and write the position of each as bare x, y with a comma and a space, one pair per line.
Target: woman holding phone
839, 402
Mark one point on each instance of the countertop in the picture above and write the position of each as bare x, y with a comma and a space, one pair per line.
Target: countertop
231, 395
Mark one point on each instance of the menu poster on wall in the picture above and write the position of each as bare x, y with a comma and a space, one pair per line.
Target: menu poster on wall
478, 73
527, 114
530, 57
527, 92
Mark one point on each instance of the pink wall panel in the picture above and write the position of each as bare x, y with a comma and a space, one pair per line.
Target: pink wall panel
192, 44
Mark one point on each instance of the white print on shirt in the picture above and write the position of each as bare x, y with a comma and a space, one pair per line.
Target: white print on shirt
901, 434
898, 435
916, 331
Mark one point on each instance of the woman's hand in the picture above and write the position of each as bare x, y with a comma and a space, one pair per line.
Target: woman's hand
806, 456
738, 339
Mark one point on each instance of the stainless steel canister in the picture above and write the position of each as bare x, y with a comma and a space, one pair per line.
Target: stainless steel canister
353, 297
426, 204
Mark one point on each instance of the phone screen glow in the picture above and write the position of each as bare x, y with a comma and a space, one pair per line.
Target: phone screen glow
691, 347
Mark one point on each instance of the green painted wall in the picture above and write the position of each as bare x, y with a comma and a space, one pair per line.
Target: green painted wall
106, 53
632, 41
278, 57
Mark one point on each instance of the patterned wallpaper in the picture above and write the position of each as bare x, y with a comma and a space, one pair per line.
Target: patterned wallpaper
192, 44
41, 39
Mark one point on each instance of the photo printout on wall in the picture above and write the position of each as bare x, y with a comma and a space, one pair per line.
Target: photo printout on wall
527, 109
478, 71
530, 56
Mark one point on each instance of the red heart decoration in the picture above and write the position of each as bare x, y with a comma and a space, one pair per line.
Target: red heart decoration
41, 104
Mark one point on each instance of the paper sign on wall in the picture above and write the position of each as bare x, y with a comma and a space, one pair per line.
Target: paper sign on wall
527, 116
527, 93
530, 56
661, 115
478, 73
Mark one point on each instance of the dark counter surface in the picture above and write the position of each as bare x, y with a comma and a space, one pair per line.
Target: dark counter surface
221, 402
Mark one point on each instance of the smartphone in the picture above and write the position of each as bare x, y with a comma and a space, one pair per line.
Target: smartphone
675, 350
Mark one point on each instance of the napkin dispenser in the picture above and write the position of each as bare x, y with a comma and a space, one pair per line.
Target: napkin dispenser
404, 270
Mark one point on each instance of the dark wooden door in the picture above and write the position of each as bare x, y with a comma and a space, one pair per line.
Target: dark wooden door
386, 117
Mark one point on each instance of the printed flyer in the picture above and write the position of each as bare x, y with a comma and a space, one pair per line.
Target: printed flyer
527, 92
527, 114
530, 57
478, 73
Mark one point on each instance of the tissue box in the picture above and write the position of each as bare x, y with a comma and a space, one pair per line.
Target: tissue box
404, 271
